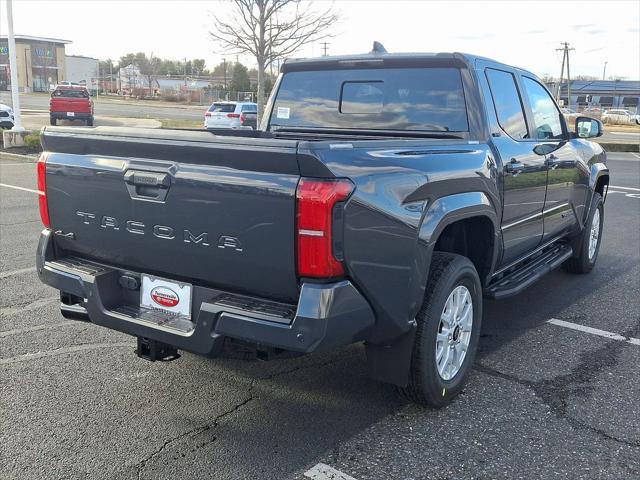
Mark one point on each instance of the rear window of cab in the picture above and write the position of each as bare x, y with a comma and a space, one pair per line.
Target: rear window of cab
70, 93
223, 107
420, 99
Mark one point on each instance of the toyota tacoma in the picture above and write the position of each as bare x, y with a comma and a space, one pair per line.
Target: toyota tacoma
381, 199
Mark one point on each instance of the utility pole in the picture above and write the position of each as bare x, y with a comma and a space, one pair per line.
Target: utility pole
565, 59
325, 46
224, 71
604, 70
13, 66
185, 71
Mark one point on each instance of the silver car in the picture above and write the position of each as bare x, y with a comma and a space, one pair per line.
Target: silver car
620, 117
228, 114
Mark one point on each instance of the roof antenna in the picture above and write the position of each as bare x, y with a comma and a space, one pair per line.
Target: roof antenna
378, 48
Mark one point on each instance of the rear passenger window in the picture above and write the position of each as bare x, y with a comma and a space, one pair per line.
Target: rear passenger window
546, 117
508, 104
250, 108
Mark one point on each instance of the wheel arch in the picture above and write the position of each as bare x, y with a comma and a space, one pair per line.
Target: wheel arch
463, 214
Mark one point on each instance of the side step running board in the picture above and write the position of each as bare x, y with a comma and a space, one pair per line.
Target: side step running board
513, 282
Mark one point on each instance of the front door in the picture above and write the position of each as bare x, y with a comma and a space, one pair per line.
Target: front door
568, 175
524, 171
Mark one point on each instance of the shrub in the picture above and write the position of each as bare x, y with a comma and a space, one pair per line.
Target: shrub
32, 142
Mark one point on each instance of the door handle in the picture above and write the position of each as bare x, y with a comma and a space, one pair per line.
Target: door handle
514, 167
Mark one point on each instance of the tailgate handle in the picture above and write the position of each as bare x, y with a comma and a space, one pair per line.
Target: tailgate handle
147, 185
147, 179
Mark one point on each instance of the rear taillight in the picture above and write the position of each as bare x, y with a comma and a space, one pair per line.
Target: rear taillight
242, 117
207, 114
233, 115
316, 200
42, 190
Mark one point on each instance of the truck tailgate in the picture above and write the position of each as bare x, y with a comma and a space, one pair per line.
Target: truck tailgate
217, 211
66, 104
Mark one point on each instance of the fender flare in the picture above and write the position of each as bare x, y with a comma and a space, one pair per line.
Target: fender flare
598, 170
391, 362
447, 210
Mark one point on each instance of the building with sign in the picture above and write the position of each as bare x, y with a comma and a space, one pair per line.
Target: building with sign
40, 63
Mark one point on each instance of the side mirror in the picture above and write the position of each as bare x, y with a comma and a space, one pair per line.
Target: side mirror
546, 148
587, 127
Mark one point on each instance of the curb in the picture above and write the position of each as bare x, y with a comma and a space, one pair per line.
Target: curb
33, 158
620, 147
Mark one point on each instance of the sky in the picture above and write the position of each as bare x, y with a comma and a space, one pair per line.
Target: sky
521, 33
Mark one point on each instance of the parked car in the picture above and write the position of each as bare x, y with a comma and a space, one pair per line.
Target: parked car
249, 116
229, 115
6, 116
387, 195
71, 102
620, 117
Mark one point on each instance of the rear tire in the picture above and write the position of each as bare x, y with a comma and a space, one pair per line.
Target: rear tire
53, 121
431, 381
587, 245
90, 122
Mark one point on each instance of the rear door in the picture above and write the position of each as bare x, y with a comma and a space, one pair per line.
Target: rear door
568, 175
524, 172
179, 206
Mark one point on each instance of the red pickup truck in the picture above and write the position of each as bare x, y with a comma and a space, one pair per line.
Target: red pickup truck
71, 103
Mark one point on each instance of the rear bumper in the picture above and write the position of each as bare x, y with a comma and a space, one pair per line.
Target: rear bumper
326, 316
76, 116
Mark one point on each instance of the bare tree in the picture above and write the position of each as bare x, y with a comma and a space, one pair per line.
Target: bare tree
270, 30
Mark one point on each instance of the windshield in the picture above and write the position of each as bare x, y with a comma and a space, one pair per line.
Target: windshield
70, 93
419, 99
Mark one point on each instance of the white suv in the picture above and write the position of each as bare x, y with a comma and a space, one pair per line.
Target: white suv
228, 114
620, 117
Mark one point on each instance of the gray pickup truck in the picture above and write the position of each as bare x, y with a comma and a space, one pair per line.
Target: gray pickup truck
383, 196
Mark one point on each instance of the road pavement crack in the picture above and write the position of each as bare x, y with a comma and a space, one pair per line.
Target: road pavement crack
556, 391
194, 431
216, 421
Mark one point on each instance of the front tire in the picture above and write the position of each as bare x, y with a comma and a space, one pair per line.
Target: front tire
448, 331
587, 246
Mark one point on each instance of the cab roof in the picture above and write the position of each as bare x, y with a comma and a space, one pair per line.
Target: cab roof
380, 59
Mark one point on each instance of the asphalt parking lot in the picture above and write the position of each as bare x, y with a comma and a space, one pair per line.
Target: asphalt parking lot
546, 400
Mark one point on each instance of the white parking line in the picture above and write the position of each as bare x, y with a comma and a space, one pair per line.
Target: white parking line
62, 351
625, 188
325, 472
19, 188
17, 272
35, 328
594, 331
15, 164
637, 155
